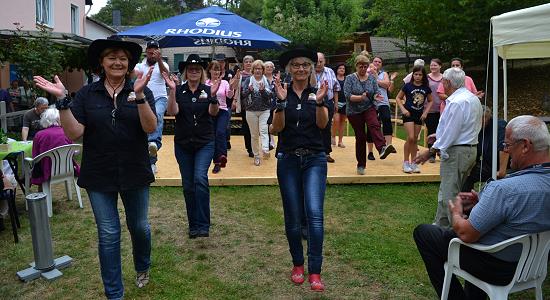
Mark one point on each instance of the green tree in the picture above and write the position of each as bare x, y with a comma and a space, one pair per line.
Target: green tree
140, 12
318, 24
444, 28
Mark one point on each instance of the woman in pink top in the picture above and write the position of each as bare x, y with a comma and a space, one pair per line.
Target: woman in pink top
468, 84
222, 119
46, 139
434, 79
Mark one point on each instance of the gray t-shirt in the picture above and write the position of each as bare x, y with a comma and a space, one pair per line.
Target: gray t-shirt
354, 86
32, 121
516, 205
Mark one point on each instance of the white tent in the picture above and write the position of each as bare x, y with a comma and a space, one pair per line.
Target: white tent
519, 34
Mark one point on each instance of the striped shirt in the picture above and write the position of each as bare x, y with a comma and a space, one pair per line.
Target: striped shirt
330, 77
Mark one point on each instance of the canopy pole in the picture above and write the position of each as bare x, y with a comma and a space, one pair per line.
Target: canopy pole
495, 113
505, 87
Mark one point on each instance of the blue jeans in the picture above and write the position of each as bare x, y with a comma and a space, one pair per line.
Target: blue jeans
104, 206
221, 121
194, 173
302, 182
160, 108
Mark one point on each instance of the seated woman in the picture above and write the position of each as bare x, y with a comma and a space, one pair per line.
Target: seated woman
48, 138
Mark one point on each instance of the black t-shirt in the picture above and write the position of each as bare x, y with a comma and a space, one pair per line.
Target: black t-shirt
416, 97
194, 125
32, 121
115, 155
301, 129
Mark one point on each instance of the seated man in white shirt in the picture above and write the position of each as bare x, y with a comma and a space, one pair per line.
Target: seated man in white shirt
456, 141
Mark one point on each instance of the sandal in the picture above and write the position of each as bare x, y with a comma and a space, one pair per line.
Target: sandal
142, 279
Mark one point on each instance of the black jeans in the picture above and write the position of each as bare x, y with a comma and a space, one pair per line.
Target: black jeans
246, 132
432, 120
325, 133
433, 242
384, 117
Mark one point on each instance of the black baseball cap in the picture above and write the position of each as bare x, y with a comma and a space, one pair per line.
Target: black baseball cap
152, 44
219, 56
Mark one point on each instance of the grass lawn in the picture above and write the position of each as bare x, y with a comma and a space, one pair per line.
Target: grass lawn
368, 252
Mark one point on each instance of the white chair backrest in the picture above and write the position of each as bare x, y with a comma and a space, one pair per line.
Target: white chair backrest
535, 265
62, 160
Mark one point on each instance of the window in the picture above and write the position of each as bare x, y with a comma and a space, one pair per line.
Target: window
74, 19
44, 12
358, 47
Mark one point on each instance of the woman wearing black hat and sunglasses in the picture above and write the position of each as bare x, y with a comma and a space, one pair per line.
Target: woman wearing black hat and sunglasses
300, 114
194, 104
114, 116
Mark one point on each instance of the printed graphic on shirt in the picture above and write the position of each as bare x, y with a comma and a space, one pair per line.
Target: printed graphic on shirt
416, 96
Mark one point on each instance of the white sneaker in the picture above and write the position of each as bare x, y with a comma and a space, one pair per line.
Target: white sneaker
154, 168
257, 161
415, 168
360, 171
407, 167
152, 147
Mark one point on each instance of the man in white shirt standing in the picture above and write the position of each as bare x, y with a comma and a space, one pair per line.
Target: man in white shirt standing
456, 140
158, 87
327, 74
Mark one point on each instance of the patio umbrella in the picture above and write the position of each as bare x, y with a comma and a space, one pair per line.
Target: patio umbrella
211, 26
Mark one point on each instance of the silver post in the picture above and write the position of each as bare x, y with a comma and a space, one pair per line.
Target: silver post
44, 264
40, 231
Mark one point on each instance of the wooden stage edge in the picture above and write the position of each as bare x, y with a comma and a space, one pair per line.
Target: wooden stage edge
363, 179
241, 171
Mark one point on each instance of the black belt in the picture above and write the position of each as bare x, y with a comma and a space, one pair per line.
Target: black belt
465, 145
303, 152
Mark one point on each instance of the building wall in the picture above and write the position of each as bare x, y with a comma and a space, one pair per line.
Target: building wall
95, 31
24, 13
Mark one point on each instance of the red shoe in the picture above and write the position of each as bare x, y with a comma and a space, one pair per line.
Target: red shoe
223, 161
297, 275
316, 283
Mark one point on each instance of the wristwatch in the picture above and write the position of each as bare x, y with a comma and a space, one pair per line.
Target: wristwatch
63, 103
140, 101
433, 150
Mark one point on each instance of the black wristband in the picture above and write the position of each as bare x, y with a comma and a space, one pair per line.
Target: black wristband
319, 104
278, 110
280, 105
214, 101
62, 104
140, 101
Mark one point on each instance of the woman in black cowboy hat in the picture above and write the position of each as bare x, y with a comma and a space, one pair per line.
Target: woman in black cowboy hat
300, 114
194, 104
114, 116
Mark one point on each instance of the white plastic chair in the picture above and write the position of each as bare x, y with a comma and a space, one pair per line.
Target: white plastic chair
62, 171
530, 272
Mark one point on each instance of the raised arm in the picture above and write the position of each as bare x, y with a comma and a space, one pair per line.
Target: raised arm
72, 128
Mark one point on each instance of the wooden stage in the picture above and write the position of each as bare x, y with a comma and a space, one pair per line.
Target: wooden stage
240, 168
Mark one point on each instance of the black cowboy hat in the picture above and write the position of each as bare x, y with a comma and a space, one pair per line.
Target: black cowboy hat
192, 59
97, 46
285, 58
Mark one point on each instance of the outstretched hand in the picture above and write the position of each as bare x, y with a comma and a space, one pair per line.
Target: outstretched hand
169, 80
142, 81
322, 91
55, 88
215, 86
281, 90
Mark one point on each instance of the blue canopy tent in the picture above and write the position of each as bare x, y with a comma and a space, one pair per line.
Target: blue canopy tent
211, 26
